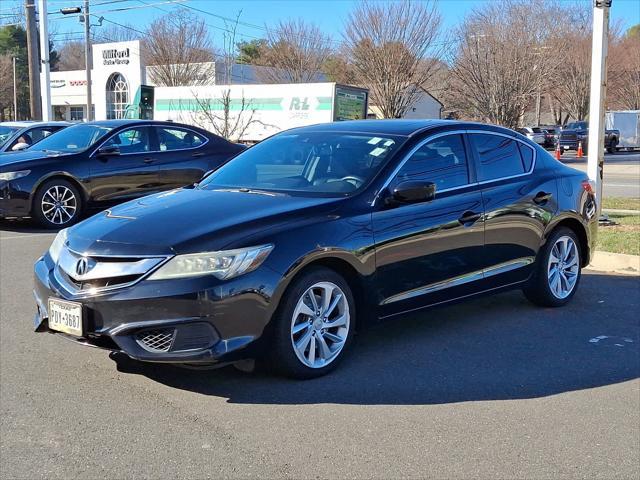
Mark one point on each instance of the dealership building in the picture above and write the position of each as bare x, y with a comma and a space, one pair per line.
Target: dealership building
119, 79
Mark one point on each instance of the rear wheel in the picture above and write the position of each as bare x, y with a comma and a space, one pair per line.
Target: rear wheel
57, 204
612, 146
314, 325
557, 271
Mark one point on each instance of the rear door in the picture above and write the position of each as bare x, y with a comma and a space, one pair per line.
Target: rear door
518, 199
131, 173
432, 251
182, 156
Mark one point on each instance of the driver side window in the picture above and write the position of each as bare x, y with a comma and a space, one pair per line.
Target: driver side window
442, 161
133, 140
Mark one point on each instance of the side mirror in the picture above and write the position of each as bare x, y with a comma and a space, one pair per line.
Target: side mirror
108, 151
19, 146
413, 191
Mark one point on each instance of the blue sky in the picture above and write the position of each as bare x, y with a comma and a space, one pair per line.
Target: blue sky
328, 14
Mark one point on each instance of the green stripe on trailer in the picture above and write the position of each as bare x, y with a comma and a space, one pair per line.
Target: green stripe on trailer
324, 103
179, 104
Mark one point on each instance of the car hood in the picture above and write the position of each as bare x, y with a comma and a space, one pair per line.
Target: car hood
9, 159
192, 220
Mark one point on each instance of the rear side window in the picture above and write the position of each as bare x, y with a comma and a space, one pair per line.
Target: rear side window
178, 139
442, 161
499, 156
527, 156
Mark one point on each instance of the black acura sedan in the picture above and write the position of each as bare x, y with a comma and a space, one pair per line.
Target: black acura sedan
286, 250
98, 164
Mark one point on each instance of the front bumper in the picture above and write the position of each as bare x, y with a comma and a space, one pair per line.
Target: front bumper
15, 201
209, 321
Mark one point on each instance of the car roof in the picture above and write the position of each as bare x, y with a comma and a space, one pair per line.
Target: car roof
33, 123
128, 122
400, 127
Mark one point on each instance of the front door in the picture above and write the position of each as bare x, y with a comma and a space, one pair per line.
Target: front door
130, 172
430, 252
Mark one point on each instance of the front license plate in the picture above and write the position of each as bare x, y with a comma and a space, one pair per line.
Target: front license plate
65, 316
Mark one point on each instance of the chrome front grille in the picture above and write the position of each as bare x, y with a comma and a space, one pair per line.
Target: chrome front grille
156, 340
83, 273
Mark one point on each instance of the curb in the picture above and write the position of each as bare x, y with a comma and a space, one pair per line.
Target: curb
615, 263
621, 212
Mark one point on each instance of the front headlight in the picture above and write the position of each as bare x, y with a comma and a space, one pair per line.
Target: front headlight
223, 265
57, 245
6, 176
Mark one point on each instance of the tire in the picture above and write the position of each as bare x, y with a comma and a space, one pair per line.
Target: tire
612, 146
57, 204
292, 324
542, 288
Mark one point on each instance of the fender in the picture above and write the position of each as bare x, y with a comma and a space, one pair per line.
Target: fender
66, 176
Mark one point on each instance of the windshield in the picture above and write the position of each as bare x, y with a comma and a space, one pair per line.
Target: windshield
73, 139
577, 126
6, 133
334, 163
536, 130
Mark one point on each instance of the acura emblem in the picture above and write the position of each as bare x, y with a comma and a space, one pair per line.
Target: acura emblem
82, 266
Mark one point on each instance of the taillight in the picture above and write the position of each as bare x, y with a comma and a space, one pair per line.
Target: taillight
586, 185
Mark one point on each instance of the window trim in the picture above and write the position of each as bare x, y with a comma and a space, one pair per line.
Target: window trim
156, 134
472, 157
206, 139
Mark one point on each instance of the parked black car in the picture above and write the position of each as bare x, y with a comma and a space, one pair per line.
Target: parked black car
578, 132
97, 164
270, 257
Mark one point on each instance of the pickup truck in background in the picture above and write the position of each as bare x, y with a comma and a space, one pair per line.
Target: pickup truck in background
574, 133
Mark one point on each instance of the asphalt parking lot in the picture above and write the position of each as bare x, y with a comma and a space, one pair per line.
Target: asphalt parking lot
494, 388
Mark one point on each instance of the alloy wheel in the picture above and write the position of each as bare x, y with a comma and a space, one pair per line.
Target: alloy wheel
59, 204
320, 324
563, 267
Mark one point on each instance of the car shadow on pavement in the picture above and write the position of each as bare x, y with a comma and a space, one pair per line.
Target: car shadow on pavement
23, 226
494, 348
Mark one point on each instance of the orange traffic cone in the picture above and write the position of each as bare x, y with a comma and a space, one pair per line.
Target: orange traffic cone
580, 153
558, 153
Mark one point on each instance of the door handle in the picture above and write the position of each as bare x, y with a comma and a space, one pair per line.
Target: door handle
541, 198
149, 160
469, 218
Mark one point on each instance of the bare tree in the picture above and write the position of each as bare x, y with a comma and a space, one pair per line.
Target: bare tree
393, 48
227, 116
624, 72
6, 87
295, 52
179, 47
504, 59
71, 56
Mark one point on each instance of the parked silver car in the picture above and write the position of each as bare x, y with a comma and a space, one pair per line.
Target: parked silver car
535, 134
15, 136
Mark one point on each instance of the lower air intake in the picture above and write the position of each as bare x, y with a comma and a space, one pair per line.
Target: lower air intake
156, 341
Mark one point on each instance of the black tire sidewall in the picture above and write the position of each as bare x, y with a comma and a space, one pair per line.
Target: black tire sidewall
37, 213
282, 356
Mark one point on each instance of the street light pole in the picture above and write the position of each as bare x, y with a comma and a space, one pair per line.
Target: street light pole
15, 92
45, 84
87, 57
598, 94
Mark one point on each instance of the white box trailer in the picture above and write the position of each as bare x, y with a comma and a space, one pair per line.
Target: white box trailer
250, 113
628, 123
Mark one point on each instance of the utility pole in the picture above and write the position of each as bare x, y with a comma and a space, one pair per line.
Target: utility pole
598, 94
34, 63
87, 57
44, 59
15, 92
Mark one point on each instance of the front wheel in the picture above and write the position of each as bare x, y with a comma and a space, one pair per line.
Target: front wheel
57, 204
314, 325
557, 271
